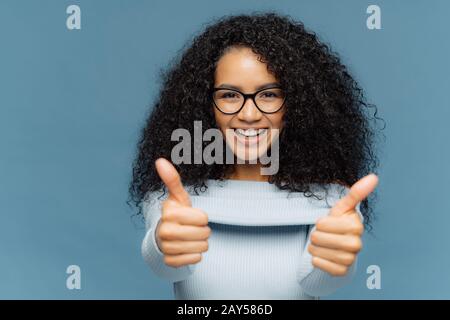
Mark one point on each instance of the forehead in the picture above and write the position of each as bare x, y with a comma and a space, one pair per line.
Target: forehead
241, 67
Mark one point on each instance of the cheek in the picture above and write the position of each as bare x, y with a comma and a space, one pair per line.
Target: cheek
221, 120
277, 121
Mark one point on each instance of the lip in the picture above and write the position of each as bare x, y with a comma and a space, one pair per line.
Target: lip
246, 128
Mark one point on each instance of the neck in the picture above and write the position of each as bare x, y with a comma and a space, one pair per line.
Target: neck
248, 172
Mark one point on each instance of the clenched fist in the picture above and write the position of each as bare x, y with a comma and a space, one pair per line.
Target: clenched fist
182, 232
337, 238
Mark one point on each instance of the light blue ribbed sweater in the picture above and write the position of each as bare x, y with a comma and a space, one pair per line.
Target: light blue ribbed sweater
257, 247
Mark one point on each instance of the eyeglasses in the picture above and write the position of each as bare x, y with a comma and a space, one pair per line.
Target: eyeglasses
230, 101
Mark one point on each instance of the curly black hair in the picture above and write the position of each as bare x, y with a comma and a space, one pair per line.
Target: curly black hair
328, 134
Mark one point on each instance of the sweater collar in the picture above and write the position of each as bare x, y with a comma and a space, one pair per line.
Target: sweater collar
257, 203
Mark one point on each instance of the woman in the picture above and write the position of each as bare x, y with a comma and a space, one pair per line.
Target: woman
225, 230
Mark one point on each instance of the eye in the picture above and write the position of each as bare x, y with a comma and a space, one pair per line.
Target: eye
268, 94
229, 95
271, 94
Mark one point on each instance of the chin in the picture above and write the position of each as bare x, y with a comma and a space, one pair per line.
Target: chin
247, 157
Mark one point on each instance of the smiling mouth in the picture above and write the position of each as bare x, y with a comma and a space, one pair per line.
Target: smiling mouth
250, 133
251, 137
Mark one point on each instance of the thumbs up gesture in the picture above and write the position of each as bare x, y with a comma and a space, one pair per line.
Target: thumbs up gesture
337, 238
182, 231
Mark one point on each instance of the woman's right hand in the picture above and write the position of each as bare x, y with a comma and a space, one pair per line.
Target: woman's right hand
182, 232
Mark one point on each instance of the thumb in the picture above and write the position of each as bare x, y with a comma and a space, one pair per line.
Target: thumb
171, 178
358, 192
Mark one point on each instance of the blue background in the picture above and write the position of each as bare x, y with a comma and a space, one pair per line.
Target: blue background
72, 104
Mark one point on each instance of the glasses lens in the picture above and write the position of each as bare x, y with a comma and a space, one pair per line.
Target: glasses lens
270, 100
228, 101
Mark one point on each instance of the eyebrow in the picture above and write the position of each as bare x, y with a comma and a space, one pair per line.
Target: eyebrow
264, 86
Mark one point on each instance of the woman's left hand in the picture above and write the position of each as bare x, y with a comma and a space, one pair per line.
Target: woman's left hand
337, 238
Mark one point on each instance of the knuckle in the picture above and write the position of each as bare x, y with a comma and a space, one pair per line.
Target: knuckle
164, 231
340, 271
197, 258
167, 215
207, 231
337, 270
164, 217
167, 260
167, 212
360, 229
200, 216
348, 259
205, 246
320, 224
314, 237
171, 262
203, 217
314, 262
164, 247
355, 244
357, 228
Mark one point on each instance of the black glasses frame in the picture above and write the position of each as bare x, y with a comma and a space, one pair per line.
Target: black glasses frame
248, 96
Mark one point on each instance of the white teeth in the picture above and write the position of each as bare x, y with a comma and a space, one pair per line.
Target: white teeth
261, 131
250, 132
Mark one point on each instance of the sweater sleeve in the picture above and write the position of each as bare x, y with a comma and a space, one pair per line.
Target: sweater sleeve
152, 253
316, 282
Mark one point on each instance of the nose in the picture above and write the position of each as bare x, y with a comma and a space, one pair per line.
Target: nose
249, 112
